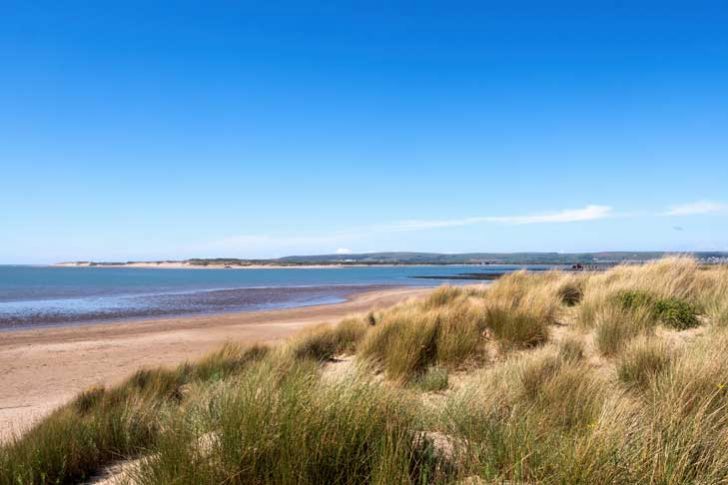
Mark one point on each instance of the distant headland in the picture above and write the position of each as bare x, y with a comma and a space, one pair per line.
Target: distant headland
409, 258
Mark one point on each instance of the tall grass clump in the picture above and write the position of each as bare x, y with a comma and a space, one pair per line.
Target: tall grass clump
404, 344
101, 425
697, 377
413, 337
444, 296
571, 349
433, 379
521, 421
676, 282
566, 393
714, 297
616, 327
516, 327
297, 431
642, 362
684, 416
521, 306
98, 426
325, 341
227, 361
571, 290
627, 314
461, 336
450, 327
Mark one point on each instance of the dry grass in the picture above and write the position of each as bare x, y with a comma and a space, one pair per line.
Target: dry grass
325, 341
643, 361
446, 329
548, 377
405, 343
433, 379
571, 349
615, 327
516, 328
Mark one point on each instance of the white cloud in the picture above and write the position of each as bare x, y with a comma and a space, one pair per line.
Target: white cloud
588, 213
418, 225
695, 208
287, 244
268, 244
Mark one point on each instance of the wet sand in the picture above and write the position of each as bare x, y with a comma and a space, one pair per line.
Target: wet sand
42, 369
180, 305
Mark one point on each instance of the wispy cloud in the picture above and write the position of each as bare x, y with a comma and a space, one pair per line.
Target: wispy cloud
588, 213
355, 239
695, 208
278, 244
339, 242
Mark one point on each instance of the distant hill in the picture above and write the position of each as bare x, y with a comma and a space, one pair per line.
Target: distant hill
413, 258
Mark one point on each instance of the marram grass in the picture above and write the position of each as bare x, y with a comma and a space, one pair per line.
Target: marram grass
613, 377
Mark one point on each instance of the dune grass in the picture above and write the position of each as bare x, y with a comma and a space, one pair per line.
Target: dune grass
616, 327
325, 341
571, 349
405, 343
612, 377
291, 430
101, 425
643, 362
433, 379
515, 328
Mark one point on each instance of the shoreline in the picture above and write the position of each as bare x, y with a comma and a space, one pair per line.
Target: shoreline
187, 265
337, 294
42, 369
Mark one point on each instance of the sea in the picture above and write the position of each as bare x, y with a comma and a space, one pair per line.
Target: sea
47, 296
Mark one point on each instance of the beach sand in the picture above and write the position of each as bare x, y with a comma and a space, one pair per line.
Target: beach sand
42, 369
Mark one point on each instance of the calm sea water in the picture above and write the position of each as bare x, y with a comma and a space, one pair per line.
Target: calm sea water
32, 296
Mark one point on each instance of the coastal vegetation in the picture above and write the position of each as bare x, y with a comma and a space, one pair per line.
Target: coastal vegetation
618, 376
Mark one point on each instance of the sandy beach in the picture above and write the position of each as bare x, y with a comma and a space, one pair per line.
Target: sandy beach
42, 369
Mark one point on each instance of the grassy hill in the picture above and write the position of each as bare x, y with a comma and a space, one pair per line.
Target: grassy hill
612, 377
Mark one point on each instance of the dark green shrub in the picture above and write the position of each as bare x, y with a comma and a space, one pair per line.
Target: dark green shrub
671, 312
676, 313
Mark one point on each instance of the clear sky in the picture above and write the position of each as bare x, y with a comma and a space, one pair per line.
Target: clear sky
147, 130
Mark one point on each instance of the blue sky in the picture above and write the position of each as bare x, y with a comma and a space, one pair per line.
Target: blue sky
170, 130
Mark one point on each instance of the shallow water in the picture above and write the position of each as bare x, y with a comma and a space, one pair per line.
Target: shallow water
35, 296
